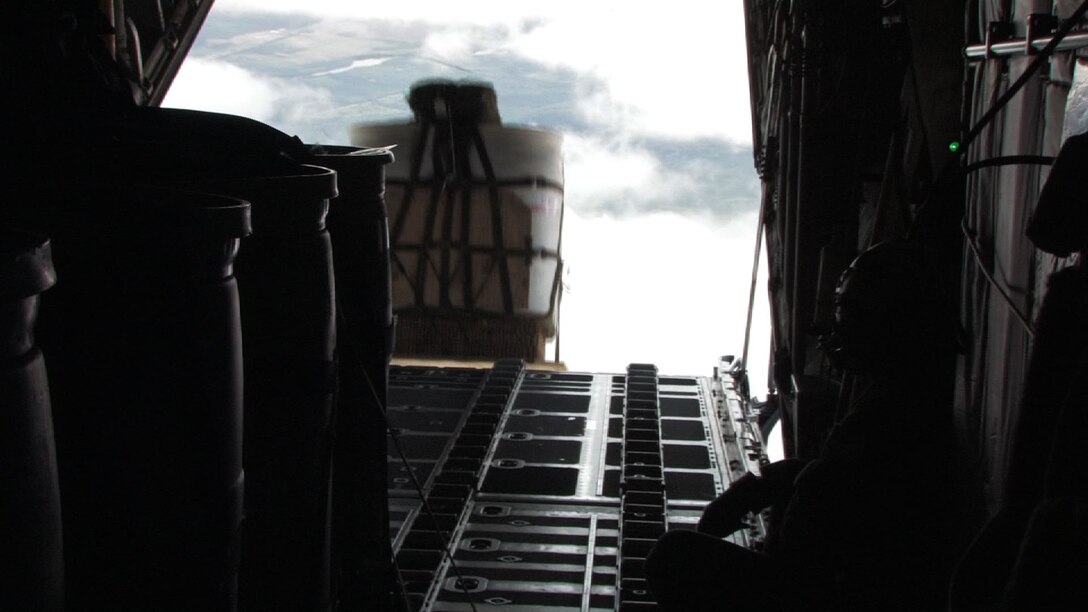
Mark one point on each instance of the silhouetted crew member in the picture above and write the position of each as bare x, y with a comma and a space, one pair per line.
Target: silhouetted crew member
1033, 552
857, 528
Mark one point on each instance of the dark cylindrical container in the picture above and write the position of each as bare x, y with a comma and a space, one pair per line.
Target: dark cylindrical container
30, 516
360, 238
359, 228
285, 276
145, 376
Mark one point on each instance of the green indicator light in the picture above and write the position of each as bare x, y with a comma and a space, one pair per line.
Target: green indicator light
954, 146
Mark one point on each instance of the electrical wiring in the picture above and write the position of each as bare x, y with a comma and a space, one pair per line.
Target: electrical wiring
1036, 63
976, 253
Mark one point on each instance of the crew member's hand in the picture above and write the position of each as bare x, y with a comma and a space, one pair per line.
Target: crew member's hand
726, 514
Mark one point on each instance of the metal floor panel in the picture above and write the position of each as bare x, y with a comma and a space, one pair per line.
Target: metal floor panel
550, 488
538, 556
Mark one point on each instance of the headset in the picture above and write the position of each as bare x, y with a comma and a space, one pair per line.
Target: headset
889, 311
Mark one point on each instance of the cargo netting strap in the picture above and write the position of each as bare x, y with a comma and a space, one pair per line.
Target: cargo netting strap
496, 218
451, 144
426, 128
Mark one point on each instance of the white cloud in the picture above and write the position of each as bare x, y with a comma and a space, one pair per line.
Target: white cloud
220, 86
675, 70
598, 171
606, 174
664, 288
451, 44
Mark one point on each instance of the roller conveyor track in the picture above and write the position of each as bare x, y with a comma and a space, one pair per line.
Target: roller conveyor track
549, 488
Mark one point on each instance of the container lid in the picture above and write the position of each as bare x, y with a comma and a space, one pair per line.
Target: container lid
296, 200
369, 155
458, 102
359, 169
182, 142
210, 215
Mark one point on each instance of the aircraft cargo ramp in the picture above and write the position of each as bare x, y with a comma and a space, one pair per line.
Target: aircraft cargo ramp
548, 489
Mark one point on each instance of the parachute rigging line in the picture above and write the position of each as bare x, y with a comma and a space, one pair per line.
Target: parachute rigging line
422, 497
353, 354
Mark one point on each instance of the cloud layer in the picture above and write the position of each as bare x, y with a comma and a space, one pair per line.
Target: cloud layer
652, 100
663, 288
654, 118
657, 71
240, 91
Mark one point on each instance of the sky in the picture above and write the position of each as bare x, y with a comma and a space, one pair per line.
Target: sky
652, 99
